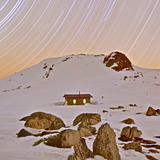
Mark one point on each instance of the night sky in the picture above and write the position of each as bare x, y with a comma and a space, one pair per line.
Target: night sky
33, 30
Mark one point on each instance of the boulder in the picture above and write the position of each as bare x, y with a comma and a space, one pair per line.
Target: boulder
41, 120
87, 118
118, 61
150, 112
82, 152
86, 131
23, 133
128, 133
128, 121
105, 143
65, 139
134, 145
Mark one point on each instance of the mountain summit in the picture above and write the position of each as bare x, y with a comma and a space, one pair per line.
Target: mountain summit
118, 61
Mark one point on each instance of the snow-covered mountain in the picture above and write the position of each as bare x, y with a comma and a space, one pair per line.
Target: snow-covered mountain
41, 88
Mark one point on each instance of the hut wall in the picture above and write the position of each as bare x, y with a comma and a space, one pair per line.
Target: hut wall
79, 101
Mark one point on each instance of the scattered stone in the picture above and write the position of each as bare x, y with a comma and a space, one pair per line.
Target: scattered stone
128, 133
125, 110
118, 61
105, 143
128, 121
41, 120
132, 105
150, 112
153, 151
151, 157
89, 118
139, 113
104, 111
137, 139
152, 146
23, 133
134, 145
119, 107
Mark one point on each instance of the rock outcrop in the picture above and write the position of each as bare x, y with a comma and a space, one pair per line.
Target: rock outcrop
118, 61
105, 143
41, 120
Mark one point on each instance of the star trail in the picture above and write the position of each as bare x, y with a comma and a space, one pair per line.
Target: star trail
33, 30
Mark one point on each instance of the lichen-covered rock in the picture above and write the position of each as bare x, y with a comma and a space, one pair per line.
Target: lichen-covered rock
74, 157
105, 143
118, 61
134, 145
65, 139
86, 131
87, 118
41, 120
128, 133
82, 152
150, 112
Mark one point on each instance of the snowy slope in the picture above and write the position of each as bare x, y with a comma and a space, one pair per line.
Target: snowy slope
41, 88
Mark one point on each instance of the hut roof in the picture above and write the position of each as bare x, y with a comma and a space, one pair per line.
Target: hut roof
77, 95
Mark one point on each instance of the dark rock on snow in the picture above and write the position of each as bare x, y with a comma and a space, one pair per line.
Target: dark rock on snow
151, 157
118, 61
128, 121
23, 133
141, 140
153, 151
134, 145
150, 112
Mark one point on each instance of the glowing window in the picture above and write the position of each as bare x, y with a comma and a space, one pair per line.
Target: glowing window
84, 101
74, 101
